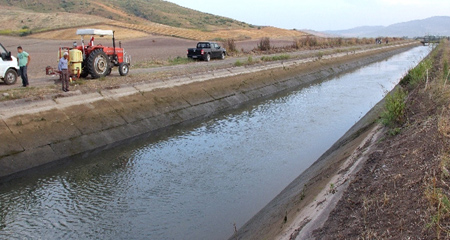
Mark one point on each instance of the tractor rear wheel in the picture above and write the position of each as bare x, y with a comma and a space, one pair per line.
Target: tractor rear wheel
98, 63
124, 68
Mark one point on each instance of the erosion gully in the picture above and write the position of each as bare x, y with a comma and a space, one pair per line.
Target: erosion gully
199, 181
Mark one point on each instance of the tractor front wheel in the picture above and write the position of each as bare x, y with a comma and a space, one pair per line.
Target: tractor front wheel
124, 68
98, 64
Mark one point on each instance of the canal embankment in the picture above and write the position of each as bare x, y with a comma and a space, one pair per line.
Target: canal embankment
36, 133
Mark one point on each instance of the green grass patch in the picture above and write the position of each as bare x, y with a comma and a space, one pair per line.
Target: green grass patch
275, 58
238, 63
179, 60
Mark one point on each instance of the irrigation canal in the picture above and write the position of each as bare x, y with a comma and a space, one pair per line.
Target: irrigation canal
198, 181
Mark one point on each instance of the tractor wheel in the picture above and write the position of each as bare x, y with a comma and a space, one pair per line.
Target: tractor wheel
124, 68
10, 77
98, 63
108, 72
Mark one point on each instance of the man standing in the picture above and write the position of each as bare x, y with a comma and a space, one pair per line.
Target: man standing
63, 67
23, 59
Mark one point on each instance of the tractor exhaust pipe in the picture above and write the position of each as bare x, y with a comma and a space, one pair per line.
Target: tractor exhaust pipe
114, 46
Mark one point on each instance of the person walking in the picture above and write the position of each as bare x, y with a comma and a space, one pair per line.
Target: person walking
63, 67
23, 60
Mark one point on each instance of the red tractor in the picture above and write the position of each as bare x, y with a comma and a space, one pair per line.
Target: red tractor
96, 60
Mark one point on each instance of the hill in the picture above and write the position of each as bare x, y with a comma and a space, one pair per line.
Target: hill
57, 19
135, 11
430, 26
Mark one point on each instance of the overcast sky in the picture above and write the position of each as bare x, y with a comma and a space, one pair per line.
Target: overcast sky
321, 15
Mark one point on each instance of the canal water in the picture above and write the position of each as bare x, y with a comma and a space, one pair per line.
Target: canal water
197, 182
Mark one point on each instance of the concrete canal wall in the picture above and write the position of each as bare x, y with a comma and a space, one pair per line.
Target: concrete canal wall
38, 133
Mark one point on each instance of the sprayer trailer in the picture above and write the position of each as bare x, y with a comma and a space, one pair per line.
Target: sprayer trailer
94, 60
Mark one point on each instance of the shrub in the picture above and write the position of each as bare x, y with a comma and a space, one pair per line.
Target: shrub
238, 63
394, 108
417, 74
446, 71
230, 45
264, 44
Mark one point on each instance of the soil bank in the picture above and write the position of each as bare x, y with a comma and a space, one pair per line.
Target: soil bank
40, 133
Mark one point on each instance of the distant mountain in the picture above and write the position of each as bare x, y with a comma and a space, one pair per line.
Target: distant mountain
430, 26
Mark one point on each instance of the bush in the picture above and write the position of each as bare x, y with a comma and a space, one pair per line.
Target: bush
417, 74
250, 59
230, 45
394, 108
238, 63
446, 71
264, 44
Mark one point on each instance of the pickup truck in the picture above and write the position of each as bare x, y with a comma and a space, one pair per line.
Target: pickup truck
8, 66
207, 51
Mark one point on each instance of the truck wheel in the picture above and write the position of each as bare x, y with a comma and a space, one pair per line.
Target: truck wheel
98, 63
124, 68
222, 56
10, 77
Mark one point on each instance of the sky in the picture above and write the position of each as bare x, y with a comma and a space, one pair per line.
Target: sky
321, 15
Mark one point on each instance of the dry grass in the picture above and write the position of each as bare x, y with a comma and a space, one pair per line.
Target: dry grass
70, 33
15, 19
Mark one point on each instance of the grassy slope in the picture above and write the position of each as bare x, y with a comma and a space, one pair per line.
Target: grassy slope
141, 16
135, 11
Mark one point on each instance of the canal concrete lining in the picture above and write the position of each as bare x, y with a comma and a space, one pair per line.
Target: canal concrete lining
36, 133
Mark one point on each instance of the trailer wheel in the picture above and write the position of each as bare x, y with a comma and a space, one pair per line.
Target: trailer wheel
124, 68
98, 63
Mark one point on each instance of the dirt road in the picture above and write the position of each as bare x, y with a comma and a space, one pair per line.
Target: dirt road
148, 49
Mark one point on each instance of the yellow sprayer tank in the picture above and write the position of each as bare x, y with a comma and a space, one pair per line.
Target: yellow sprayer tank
75, 60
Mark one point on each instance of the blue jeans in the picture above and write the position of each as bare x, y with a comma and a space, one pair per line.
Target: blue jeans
24, 75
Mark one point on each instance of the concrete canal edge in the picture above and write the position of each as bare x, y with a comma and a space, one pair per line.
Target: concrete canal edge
37, 134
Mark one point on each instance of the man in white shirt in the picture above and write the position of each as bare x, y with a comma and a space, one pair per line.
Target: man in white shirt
63, 67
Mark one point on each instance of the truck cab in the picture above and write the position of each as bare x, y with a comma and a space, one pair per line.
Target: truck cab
8, 66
